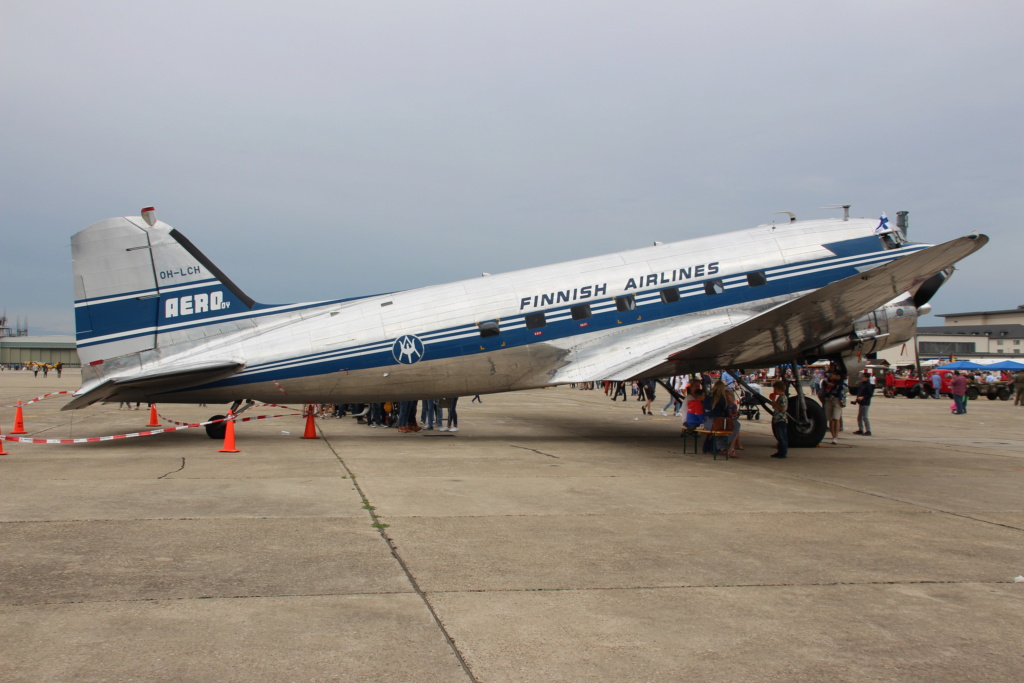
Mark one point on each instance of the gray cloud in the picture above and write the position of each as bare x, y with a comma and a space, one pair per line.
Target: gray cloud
325, 149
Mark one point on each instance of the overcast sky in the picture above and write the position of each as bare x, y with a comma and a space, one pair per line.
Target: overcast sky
328, 149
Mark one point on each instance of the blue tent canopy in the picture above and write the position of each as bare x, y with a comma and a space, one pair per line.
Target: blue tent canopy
961, 365
1010, 365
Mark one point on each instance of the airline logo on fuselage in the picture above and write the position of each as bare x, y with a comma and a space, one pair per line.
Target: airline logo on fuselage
194, 304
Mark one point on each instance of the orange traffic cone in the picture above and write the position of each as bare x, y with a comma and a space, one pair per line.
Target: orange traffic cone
154, 421
19, 421
310, 432
229, 435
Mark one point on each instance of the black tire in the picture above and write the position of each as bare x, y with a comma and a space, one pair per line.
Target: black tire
812, 434
973, 393
217, 429
1004, 394
990, 396
911, 391
924, 390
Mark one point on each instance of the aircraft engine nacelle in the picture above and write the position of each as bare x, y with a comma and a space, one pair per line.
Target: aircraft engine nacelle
893, 323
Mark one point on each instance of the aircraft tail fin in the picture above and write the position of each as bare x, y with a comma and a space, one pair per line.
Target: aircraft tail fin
138, 282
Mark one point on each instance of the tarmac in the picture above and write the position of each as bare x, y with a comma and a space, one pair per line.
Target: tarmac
558, 536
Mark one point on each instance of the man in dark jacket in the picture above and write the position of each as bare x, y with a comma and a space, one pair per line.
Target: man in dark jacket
865, 390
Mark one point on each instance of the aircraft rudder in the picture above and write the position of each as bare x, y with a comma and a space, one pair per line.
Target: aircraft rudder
135, 278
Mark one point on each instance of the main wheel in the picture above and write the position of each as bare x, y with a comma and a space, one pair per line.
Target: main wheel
217, 429
811, 434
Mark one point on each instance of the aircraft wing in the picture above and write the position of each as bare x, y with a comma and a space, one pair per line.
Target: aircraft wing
780, 333
157, 380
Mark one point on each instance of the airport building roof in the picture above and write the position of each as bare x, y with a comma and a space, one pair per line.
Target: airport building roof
1013, 331
1019, 309
59, 341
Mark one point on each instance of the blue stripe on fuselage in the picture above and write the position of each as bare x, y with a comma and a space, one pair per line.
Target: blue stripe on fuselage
783, 280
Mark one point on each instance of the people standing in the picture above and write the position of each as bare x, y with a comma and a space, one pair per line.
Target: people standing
1018, 386
734, 443
647, 393
679, 387
780, 406
865, 390
890, 384
429, 414
407, 417
835, 401
453, 417
936, 385
958, 388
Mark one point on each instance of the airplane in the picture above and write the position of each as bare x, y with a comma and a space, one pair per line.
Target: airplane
158, 322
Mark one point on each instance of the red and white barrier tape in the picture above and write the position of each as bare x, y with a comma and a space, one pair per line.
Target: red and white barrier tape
40, 398
277, 405
151, 432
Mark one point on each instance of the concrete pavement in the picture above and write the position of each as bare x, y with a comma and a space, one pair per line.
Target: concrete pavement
557, 537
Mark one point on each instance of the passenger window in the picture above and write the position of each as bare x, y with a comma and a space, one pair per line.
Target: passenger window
757, 278
670, 295
626, 302
490, 328
714, 287
580, 312
535, 320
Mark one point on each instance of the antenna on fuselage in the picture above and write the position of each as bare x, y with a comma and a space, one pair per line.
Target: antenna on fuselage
844, 207
792, 216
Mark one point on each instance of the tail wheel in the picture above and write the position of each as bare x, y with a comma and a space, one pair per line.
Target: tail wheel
217, 429
807, 435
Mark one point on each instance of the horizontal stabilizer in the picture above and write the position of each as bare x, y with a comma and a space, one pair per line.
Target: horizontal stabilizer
156, 381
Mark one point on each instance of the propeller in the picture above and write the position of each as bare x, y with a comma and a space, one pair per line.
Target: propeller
928, 288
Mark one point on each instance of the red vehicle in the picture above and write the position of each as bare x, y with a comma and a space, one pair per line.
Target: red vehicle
913, 387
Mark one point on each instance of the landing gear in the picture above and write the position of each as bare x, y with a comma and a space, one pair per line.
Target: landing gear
807, 423
809, 432
218, 429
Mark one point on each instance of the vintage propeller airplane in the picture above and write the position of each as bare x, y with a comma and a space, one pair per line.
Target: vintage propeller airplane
157, 321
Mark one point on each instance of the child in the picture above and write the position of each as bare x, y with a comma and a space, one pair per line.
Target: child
694, 408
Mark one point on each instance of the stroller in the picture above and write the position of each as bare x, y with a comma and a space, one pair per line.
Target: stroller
749, 405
